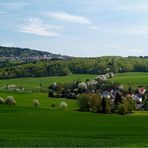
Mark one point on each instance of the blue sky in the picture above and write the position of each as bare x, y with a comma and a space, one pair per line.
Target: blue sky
76, 27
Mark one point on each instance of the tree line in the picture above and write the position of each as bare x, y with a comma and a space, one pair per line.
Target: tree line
100, 65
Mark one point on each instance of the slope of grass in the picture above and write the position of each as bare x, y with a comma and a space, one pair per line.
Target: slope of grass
31, 127
24, 126
135, 79
25, 99
34, 83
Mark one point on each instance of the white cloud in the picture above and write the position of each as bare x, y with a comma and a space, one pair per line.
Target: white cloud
63, 16
37, 27
95, 27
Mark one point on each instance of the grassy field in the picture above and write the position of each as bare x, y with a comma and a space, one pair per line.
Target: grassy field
25, 99
46, 126
135, 79
34, 83
36, 127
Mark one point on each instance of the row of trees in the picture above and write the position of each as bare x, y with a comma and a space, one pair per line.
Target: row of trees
94, 103
76, 65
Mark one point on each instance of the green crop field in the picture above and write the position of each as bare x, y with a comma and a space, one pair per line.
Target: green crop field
37, 127
46, 126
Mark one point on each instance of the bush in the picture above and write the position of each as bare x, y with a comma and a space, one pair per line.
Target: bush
146, 105
95, 103
119, 98
82, 87
2, 101
10, 100
53, 105
83, 100
106, 105
131, 105
122, 109
35, 103
56, 86
63, 105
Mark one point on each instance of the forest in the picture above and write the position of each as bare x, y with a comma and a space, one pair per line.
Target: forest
61, 67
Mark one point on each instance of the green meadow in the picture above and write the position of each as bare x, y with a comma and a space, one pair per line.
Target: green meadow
46, 126
134, 79
38, 127
33, 83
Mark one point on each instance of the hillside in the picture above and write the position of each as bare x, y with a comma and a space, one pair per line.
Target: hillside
24, 55
23, 62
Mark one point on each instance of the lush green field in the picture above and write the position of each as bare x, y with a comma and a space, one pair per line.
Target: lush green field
25, 99
25, 126
34, 83
22, 126
133, 78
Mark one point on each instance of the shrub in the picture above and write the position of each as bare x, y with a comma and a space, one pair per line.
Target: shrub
121, 87
111, 74
35, 103
63, 105
83, 100
10, 100
131, 105
53, 105
122, 109
101, 78
118, 98
82, 87
53, 86
2, 101
95, 103
146, 105
106, 105
56, 86
146, 102
92, 85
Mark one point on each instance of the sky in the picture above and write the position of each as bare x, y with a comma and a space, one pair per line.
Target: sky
84, 28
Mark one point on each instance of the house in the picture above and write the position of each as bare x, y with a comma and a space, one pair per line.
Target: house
106, 94
137, 98
141, 90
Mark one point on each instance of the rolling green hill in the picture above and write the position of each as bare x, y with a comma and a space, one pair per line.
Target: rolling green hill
25, 100
34, 83
25, 54
134, 79
46, 126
